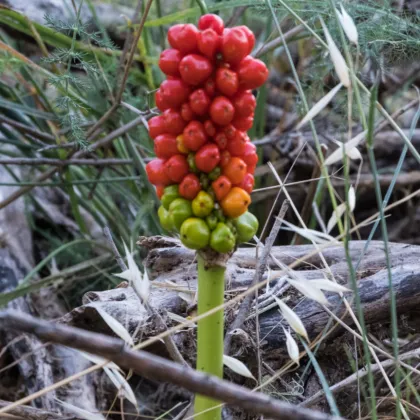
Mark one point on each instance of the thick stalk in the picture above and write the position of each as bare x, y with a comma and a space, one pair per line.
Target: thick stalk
211, 286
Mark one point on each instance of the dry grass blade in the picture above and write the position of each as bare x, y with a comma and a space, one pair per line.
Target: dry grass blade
319, 106
84, 414
116, 326
292, 319
121, 384
237, 366
337, 59
292, 347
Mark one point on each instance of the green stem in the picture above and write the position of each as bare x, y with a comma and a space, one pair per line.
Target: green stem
211, 286
203, 6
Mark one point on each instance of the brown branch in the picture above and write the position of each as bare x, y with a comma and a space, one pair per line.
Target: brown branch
310, 195
71, 145
357, 376
27, 129
128, 63
245, 307
236, 15
157, 368
278, 41
59, 162
100, 143
31, 413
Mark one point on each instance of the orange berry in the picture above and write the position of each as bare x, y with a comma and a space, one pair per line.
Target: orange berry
235, 170
236, 202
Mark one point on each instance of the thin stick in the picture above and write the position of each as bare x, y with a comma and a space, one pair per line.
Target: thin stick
310, 195
114, 249
27, 129
259, 271
32, 413
127, 64
157, 368
316, 398
275, 43
100, 143
59, 162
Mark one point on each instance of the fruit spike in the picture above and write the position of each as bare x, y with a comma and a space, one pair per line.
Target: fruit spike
205, 162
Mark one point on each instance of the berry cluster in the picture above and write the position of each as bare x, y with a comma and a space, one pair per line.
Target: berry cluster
205, 161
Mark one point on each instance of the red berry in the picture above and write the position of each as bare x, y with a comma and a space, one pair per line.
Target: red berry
183, 37
160, 102
235, 170
169, 62
186, 112
210, 87
249, 156
224, 158
226, 81
211, 21
189, 187
252, 73
160, 189
237, 146
244, 103
250, 36
177, 168
209, 128
207, 158
221, 186
174, 93
222, 110
230, 131
156, 173
221, 140
156, 126
199, 102
194, 135
195, 69
247, 183
174, 123
243, 123
235, 45
165, 146
208, 43
251, 169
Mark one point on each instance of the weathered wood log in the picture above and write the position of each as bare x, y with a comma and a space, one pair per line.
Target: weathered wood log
173, 270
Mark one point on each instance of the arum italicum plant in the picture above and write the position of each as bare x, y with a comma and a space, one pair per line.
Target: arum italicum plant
204, 166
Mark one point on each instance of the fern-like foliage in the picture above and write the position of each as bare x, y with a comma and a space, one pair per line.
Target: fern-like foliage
67, 80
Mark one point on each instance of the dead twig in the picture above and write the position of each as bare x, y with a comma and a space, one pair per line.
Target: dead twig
27, 129
59, 162
157, 368
316, 398
100, 143
259, 271
310, 195
278, 41
125, 64
31, 413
